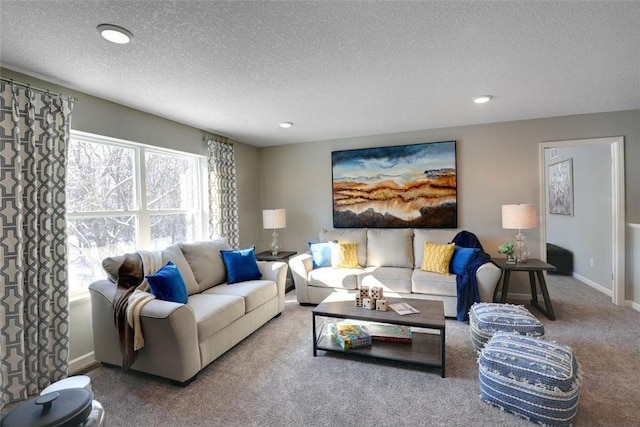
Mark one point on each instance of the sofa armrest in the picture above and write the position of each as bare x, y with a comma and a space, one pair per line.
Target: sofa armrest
487, 275
300, 266
276, 271
169, 329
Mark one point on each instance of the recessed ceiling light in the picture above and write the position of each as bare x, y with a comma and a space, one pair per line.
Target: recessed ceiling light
482, 99
286, 125
115, 34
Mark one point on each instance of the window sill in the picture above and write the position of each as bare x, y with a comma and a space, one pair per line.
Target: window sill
79, 297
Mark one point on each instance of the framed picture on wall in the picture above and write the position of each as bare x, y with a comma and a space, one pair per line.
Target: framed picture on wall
405, 186
560, 187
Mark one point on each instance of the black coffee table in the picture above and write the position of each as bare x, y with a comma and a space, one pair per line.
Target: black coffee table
428, 344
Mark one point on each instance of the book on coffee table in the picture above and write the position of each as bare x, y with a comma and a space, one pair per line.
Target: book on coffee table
389, 333
350, 335
403, 308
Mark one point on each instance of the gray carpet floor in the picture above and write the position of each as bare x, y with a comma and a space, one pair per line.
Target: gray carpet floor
272, 378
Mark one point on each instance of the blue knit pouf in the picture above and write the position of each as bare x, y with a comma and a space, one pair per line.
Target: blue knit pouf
485, 319
536, 379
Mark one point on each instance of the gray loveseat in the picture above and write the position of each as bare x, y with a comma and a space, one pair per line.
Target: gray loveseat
181, 339
391, 259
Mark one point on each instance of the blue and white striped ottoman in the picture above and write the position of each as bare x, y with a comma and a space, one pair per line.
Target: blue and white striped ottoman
485, 319
536, 379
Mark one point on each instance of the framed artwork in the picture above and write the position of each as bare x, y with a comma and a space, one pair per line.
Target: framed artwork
560, 187
405, 186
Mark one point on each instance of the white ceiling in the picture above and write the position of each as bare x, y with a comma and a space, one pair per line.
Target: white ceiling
334, 68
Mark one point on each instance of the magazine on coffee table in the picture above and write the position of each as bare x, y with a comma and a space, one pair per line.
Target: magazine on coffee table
403, 308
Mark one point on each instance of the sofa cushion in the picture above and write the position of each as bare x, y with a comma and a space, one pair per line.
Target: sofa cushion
111, 266
321, 254
390, 248
357, 236
125, 270
174, 254
437, 257
421, 235
461, 259
254, 292
205, 261
215, 312
167, 284
344, 255
426, 282
329, 277
241, 265
392, 279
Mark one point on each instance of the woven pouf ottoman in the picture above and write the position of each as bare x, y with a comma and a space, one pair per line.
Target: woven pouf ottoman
485, 319
534, 378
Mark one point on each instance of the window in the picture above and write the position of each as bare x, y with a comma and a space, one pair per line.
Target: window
123, 196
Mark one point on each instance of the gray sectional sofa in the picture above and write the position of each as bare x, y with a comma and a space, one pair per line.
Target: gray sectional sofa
390, 258
181, 339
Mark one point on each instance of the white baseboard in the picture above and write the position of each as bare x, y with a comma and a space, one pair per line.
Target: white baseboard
594, 285
80, 363
599, 288
518, 297
633, 305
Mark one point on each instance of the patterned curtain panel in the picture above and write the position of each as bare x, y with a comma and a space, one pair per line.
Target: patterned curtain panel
223, 192
34, 325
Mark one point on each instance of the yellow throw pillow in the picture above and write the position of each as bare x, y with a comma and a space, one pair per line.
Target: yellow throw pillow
437, 257
344, 255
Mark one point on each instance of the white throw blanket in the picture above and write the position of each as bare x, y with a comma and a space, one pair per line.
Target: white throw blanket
151, 262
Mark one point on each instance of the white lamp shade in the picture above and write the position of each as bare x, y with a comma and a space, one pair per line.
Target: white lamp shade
274, 218
519, 217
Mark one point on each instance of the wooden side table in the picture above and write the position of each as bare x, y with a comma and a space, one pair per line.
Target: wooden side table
282, 256
535, 268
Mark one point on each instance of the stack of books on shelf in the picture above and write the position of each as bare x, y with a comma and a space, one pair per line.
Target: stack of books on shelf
389, 333
350, 335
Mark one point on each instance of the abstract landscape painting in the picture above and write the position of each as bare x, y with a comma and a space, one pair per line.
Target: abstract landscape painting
402, 186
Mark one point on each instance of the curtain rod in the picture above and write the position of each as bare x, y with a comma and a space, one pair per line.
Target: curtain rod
29, 86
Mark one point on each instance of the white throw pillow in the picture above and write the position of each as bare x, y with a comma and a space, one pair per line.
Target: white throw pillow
390, 248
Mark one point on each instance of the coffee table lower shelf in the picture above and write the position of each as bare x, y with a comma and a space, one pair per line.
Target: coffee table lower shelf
425, 348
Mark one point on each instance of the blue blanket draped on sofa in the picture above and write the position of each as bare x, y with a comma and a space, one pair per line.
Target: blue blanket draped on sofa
467, 283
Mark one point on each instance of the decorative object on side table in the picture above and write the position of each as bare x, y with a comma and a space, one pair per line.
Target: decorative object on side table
519, 217
274, 219
507, 249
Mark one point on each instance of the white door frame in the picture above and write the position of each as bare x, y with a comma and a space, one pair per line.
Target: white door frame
618, 208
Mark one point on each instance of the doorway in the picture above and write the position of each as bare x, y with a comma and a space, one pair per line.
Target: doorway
616, 148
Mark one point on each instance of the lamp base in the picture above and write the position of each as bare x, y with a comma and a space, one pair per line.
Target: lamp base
274, 243
522, 250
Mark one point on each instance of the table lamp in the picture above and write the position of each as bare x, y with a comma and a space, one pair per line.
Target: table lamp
274, 219
519, 217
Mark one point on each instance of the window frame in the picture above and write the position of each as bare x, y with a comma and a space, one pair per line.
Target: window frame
142, 214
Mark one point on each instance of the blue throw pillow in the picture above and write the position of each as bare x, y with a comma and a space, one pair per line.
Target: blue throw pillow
241, 265
461, 259
167, 284
321, 254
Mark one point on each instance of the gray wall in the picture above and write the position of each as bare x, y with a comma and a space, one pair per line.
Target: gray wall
587, 233
497, 164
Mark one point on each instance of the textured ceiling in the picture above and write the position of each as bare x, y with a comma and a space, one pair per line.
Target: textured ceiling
335, 69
